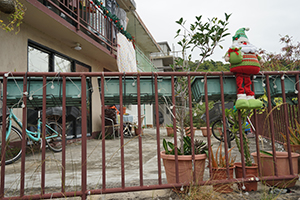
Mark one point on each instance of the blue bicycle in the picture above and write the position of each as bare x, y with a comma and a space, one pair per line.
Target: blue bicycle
13, 144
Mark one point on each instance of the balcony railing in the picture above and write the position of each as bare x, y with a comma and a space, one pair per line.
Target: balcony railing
143, 63
87, 17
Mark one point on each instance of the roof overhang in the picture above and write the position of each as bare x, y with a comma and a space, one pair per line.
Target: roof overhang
141, 34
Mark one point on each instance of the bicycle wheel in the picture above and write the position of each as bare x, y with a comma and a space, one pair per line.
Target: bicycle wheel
13, 146
54, 136
218, 132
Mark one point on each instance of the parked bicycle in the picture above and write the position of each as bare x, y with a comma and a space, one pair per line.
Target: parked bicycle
215, 118
13, 147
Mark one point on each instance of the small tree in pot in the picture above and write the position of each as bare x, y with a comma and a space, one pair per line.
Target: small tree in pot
202, 36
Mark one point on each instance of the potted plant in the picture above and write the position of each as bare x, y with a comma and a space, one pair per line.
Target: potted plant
15, 11
204, 131
250, 168
282, 163
170, 130
185, 161
219, 170
136, 130
202, 36
188, 131
294, 140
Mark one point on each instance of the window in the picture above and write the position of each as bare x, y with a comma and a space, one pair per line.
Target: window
44, 59
61, 64
38, 60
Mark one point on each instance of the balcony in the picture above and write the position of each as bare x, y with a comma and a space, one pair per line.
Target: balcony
74, 21
143, 63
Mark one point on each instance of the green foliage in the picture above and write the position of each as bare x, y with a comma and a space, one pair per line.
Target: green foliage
266, 153
198, 110
294, 134
200, 147
232, 116
205, 36
287, 60
170, 125
14, 19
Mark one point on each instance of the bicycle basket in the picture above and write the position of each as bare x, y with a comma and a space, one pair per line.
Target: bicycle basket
216, 112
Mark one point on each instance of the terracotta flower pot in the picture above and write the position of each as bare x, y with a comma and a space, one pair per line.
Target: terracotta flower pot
184, 167
296, 149
204, 131
220, 174
220, 130
170, 131
251, 171
136, 131
282, 167
188, 131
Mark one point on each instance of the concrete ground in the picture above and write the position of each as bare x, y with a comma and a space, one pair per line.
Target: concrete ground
113, 170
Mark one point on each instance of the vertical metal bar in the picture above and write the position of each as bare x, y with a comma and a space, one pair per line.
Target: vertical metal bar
140, 129
208, 126
224, 126
298, 96
291, 115
174, 128
78, 15
192, 126
256, 131
287, 127
43, 172
122, 135
280, 118
241, 144
3, 151
24, 127
271, 125
63, 156
102, 92
157, 130
83, 138
111, 35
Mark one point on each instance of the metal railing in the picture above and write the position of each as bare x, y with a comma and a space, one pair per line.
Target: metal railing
82, 189
87, 17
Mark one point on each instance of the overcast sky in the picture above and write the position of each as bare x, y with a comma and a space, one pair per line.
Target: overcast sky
267, 19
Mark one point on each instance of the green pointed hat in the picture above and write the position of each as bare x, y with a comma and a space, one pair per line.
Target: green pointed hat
240, 33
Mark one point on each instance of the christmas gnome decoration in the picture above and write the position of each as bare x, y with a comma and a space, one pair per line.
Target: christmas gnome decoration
244, 62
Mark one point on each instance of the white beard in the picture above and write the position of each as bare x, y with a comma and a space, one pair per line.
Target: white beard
249, 48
